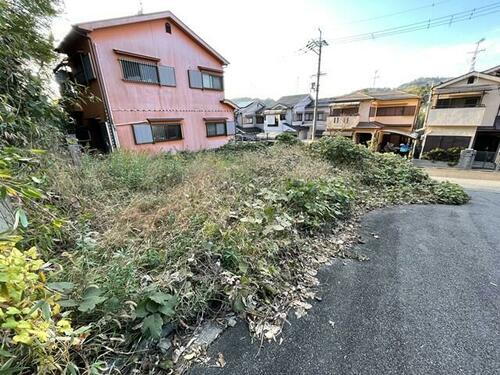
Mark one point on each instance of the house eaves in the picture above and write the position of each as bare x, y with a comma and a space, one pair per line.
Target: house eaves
83, 28
467, 75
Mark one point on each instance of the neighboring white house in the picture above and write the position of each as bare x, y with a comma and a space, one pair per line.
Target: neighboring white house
250, 118
279, 117
303, 120
465, 113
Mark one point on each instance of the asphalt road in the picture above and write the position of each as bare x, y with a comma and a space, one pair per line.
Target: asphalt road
427, 302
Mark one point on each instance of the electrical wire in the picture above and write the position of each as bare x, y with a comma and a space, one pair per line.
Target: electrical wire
422, 25
432, 5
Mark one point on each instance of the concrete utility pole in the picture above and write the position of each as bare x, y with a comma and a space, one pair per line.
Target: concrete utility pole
476, 52
316, 45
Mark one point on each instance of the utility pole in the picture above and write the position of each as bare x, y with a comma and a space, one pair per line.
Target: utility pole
375, 77
476, 52
316, 45
141, 8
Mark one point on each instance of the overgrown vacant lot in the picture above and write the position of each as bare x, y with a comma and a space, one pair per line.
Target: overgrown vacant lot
160, 242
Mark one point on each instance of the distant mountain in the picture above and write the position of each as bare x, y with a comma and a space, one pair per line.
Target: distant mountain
423, 81
246, 100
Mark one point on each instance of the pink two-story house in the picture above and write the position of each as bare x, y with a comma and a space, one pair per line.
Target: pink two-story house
160, 86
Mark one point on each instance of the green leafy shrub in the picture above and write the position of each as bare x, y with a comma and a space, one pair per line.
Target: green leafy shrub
319, 202
449, 193
387, 169
33, 326
451, 155
233, 146
342, 151
287, 138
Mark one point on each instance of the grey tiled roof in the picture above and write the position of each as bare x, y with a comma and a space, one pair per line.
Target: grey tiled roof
291, 100
378, 95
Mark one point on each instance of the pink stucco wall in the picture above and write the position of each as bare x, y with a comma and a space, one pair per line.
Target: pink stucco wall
132, 102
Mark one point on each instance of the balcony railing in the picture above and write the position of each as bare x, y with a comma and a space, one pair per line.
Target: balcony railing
342, 122
456, 116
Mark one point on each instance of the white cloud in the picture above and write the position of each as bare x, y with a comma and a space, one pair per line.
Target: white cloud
261, 39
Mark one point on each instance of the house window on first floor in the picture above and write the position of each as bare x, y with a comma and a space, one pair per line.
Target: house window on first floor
216, 129
145, 132
166, 132
259, 119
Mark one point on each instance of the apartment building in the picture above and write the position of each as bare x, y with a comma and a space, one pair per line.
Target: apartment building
375, 118
465, 112
160, 86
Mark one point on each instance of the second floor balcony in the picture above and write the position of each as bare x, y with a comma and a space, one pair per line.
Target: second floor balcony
468, 116
342, 122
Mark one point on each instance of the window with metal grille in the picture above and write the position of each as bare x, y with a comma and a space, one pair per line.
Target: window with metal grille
308, 116
139, 72
215, 129
259, 119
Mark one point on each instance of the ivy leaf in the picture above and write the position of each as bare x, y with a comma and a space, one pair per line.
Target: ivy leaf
68, 303
140, 310
61, 286
160, 297
91, 298
46, 312
151, 326
89, 304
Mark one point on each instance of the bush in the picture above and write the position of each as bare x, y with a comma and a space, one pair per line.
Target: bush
391, 170
449, 193
451, 155
341, 151
244, 146
33, 325
287, 138
319, 202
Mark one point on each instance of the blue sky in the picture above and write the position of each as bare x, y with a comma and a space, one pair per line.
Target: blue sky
262, 39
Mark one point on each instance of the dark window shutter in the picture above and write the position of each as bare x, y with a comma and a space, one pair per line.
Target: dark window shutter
167, 75
87, 67
230, 128
195, 80
142, 133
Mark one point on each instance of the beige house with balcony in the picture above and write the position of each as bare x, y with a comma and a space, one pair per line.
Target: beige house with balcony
465, 113
381, 118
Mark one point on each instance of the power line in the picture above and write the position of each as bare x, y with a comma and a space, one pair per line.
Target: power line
432, 5
422, 25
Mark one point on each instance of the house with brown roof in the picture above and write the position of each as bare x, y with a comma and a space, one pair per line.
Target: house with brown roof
160, 86
465, 112
378, 118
